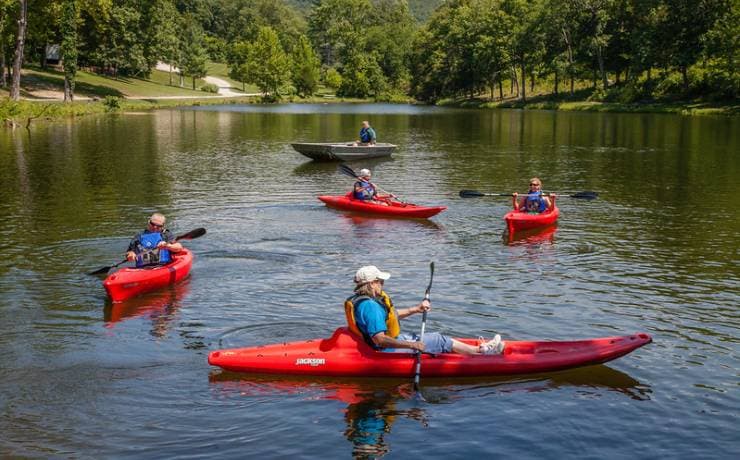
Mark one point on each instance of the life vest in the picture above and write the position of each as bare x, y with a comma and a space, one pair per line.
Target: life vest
147, 252
366, 135
534, 203
391, 321
367, 192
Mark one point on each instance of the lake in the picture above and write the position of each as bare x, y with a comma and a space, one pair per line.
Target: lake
657, 252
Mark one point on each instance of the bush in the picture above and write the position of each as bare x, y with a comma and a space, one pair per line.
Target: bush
112, 103
209, 88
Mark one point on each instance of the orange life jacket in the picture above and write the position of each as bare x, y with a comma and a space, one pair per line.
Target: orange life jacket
391, 322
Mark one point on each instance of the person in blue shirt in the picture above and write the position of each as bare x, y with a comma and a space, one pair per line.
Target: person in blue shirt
371, 314
534, 202
366, 190
154, 244
367, 134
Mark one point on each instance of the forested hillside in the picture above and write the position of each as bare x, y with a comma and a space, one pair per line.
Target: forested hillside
620, 50
420, 9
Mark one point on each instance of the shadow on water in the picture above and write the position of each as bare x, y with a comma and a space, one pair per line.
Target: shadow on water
374, 405
159, 307
544, 235
313, 168
384, 223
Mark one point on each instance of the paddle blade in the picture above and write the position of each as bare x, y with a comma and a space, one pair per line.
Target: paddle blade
471, 193
192, 234
100, 271
587, 195
346, 170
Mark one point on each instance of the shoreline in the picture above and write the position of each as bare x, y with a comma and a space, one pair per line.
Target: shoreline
15, 114
698, 108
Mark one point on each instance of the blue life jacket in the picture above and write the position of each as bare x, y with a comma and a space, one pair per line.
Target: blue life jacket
535, 203
367, 192
147, 252
366, 135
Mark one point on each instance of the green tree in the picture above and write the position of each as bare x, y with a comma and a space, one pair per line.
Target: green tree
239, 62
306, 68
193, 58
270, 64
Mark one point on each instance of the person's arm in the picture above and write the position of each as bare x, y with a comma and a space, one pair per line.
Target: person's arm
384, 341
132, 247
515, 201
421, 307
373, 137
168, 242
550, 201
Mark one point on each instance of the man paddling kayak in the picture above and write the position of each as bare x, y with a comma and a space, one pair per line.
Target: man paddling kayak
366, 191
534, 202
371, 315
154, 244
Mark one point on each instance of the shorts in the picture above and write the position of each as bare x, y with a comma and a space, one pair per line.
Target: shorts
434, 343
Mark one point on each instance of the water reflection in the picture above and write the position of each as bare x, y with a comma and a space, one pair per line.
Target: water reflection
533, 236
375, 405
159, 307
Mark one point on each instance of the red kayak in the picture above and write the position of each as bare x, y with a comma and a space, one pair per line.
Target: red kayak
128, 282
391, 208
345, 354
518, 220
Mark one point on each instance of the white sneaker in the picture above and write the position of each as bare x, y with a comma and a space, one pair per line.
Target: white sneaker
492, 347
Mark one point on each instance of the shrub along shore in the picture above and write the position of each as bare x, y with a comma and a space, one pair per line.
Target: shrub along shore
23, 113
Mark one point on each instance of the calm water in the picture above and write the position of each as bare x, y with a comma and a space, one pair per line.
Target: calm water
658, 252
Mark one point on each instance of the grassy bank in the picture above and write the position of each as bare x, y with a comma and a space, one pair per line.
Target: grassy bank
682, 108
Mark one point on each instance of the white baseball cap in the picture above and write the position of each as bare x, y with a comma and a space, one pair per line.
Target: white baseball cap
364, 172
370, 273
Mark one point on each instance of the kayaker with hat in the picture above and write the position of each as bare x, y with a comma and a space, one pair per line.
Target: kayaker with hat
371, 315
154, 244
367, 191
534, 201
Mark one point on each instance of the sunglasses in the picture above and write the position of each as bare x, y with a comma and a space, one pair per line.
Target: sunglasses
533, 184
155, 225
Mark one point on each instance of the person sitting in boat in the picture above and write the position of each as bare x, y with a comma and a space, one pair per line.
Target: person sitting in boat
154, 244
371, 315
367, 134
534, 202
366, 190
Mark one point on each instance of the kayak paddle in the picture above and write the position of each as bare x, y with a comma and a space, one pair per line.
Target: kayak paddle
586, 195
417, 374
192, 234
347, 171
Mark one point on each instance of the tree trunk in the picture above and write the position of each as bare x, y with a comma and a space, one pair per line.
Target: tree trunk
524, 82
3, 79
193, 82
531, 83
182, 80
42, 61
170, 74
600, 57
572, 84
69, 89
15, 87
500, 88
556, 83
514, 81
685, 76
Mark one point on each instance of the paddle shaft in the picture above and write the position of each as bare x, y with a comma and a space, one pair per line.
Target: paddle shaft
588, 195
417, 373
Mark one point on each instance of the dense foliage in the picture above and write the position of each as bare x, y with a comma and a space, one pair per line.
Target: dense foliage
624, 50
